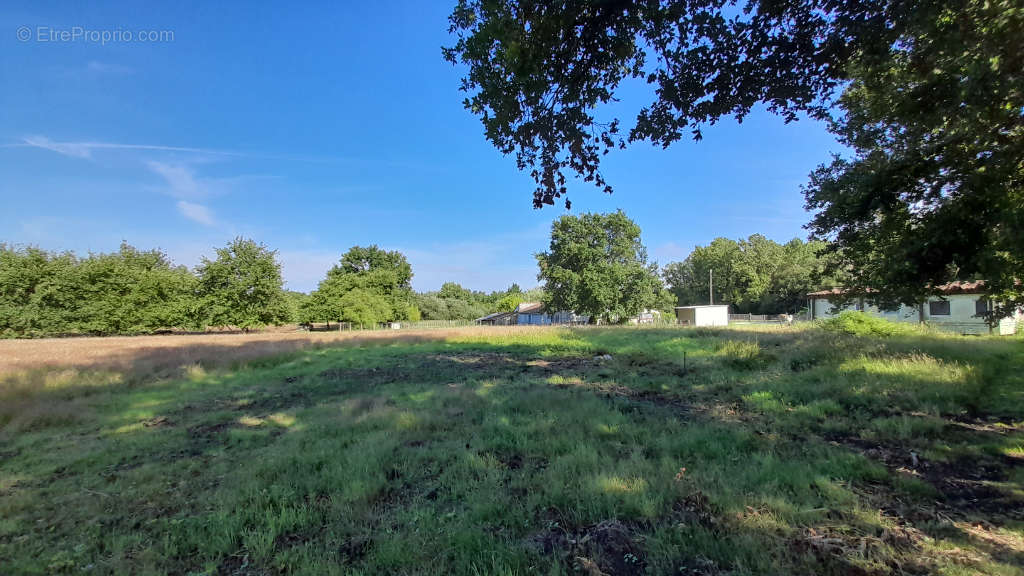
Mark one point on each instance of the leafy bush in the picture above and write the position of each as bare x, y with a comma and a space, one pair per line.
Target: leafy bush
861, 324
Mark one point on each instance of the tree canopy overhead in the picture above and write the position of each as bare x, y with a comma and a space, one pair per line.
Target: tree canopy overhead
935, 189
537, 71
928, 94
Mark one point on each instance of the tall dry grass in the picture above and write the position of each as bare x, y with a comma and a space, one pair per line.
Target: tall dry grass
54, 381
145, 354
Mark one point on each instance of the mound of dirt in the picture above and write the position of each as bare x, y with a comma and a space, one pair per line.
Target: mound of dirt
608, 548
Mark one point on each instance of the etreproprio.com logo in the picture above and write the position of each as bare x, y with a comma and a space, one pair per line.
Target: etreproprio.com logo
92, 36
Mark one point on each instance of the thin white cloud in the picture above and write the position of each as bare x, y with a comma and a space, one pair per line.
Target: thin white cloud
85, 149
73, 149
196, 213
183, 182
180, 178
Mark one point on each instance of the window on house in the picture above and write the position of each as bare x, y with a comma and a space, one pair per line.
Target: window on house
938, 308
981, 307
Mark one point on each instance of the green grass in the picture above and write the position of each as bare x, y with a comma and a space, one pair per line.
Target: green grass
773, 451
861, 324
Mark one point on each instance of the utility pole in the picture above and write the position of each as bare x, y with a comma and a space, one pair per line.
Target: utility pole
711, 286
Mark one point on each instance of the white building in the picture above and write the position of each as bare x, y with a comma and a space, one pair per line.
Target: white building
960, 307
707, 315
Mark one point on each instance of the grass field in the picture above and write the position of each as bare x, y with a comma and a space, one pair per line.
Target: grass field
514, 451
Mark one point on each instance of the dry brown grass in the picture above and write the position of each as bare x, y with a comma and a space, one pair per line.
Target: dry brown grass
155, 354
43, 382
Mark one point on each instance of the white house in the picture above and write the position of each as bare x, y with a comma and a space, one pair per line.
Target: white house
707, 315
959, 308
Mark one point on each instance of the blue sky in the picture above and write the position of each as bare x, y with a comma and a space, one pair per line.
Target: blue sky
314, 128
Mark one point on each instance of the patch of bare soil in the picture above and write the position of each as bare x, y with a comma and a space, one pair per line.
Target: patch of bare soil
970, 505
203, 436
238, 565
157, 422
612, 390
354, 549
966, 484
695, 509
851, 552
834, 550
607, 548
284, 398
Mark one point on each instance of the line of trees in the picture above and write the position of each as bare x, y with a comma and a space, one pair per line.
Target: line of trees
596, 265
453, 302
371, 286
756, 275
133, 291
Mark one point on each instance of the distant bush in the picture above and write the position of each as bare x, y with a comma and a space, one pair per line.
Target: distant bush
861, 324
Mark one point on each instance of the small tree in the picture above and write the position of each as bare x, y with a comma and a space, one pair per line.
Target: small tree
596, 265
509, 303
362, 307
242, 287
384, 275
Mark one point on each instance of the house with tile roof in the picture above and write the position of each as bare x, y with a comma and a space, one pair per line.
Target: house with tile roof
958, 307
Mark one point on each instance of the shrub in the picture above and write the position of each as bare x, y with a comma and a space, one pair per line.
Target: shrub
861, 324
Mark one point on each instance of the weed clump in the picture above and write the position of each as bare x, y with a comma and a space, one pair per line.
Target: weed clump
861, 324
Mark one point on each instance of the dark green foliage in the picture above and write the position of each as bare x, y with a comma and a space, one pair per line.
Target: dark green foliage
126, 292
367, 287
927, 93
596, 265
537, 70
242, 287
935, 189
453, 302
297, 303
755, 275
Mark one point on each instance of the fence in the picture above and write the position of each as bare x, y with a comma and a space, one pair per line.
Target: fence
766, 318
438, 324
751, 317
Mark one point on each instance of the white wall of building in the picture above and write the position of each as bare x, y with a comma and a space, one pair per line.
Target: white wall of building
710, 315
962, 316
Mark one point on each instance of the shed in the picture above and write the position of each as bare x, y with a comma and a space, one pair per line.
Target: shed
707, 315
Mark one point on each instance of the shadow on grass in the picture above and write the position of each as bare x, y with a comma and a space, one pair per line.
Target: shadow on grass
427, 454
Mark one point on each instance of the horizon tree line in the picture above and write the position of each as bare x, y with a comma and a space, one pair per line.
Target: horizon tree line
596, 265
